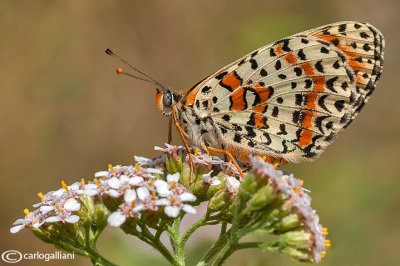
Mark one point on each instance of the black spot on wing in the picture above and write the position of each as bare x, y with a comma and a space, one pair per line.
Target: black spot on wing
268, 137
319, 66
321, 102
282, 131
330, 83
221, 75
301, 55
253, 63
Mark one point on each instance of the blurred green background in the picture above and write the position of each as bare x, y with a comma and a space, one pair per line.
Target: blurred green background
65, 114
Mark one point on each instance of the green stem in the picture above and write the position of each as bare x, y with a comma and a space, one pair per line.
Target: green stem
248, 245
150, 239
98, 258
179, 251
221, 241
223, 228
193, 228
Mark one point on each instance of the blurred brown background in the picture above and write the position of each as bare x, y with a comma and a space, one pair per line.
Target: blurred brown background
65, 114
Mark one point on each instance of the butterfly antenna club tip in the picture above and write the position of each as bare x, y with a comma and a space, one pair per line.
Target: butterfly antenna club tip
109, 52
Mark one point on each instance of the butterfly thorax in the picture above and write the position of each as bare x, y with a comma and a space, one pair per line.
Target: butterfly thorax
199, 126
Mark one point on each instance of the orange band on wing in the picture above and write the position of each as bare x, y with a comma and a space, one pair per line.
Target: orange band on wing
319, 83
291, 59
259, 109
305, 138
278, 50
308, 69
232, 81
258, 120
311, 97
238, 102
308, 115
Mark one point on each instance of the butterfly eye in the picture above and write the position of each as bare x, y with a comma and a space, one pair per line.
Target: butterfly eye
167, 99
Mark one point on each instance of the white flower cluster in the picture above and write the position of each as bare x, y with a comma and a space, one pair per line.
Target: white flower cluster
139, 189
56, 206
292, 188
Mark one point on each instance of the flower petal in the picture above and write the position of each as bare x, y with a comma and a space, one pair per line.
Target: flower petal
114, 182
101, 174
162, 202
136, 180
113, 193
143, 193
116, 219
53, 219
72, 219
189, 209
174, 177
130, 195
72, 205
186, 196
46, 209
171, 211
17, 228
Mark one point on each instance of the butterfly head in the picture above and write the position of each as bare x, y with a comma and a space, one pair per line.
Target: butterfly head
166, 99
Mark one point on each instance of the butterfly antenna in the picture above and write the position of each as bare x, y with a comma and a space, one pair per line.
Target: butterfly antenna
119, 71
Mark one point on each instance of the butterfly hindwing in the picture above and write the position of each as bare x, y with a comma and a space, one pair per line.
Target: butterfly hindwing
363, 46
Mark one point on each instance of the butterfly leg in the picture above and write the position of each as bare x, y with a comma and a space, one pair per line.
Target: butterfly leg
170, 130
230, 157
184, 136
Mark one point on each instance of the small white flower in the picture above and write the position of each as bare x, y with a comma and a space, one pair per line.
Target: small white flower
212, 181
232, 184
162, 188
64, 216
34, 219
125, 210
118, 185
174, 204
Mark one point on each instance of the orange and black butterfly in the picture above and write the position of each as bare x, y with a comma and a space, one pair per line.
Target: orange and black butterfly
287, 100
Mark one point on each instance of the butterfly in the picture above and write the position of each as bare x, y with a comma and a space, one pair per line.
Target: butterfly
287, 100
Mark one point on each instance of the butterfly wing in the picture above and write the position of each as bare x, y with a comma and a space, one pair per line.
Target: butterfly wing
363, 46
291, 98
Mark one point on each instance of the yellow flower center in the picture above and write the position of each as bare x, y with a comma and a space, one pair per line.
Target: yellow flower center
64, 186
138, 167
111, 168
40, 195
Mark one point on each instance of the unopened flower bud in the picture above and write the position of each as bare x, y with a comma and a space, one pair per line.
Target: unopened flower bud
218, 201
261, 199
100, 215
288, 223
298, 239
